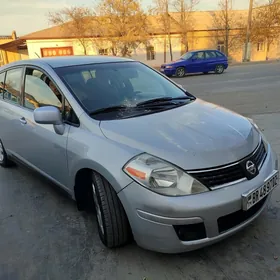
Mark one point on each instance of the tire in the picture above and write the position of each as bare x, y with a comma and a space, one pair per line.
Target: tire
4, 160
113, 225
219, 69
180, 72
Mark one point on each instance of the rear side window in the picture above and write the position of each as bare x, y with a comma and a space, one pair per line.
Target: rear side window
210, 54
13, 85
219, 54
2, 87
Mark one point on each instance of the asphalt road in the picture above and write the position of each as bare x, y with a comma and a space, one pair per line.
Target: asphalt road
43, 236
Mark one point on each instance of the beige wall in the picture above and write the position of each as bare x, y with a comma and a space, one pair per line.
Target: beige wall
197, 40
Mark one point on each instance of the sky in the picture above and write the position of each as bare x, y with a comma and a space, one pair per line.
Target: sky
26, 16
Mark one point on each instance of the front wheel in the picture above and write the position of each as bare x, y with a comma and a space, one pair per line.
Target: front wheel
180, 72
113, 225
220, 69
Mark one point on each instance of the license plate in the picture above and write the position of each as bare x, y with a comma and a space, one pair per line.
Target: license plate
253, 197
161, 70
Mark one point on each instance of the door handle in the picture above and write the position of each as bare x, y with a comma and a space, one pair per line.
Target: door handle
23, 120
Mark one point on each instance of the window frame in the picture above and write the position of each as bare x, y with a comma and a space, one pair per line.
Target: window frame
260, 46
221, 46
5, 73
103, 51
34, 67
21, 88
150, 53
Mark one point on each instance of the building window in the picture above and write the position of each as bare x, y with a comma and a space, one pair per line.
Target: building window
221, 46
57, 51
103, 51
260, 46
150, 50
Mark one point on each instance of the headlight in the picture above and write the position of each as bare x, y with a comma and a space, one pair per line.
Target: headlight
254, 124
260, 132
168, 67
162, 177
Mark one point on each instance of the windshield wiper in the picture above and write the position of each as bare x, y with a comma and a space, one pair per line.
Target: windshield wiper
108, 109
160, 100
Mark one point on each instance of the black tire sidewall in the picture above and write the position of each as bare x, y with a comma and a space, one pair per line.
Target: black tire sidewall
101, 235
4, 162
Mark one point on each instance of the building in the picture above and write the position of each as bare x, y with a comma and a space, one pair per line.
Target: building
12, 49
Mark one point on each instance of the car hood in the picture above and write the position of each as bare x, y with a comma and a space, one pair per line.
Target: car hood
172, 63
195, 136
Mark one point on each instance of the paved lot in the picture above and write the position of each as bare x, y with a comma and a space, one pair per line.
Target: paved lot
42, 236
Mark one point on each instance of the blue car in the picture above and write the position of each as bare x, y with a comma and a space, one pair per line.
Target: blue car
202, 61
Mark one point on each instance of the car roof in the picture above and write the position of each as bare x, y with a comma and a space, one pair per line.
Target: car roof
205, 50
65, 61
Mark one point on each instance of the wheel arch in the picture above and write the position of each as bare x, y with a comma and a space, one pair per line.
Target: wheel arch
82, 182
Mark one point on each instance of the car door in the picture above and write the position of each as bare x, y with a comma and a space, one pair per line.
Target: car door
10, 108
197, 63
211, 61
39, 145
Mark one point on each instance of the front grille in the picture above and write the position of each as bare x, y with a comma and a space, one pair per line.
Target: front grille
230, 173
260, 155
232, 220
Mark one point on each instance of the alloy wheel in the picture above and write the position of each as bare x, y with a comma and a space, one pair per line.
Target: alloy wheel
180, 72
220, 69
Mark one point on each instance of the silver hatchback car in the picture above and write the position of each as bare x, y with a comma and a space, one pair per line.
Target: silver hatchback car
154, 162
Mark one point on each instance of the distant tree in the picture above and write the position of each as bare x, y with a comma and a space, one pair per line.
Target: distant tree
266, 23
186, 21
74, 20
162, 10
229, 27
122, 23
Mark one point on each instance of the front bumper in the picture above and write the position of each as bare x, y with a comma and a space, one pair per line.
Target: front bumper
168, 71
157, 221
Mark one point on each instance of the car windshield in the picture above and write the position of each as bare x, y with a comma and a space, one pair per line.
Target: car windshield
119, 85
187, 55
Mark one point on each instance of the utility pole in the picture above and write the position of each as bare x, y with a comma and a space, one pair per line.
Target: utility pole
168, 27
227, 31
248, 33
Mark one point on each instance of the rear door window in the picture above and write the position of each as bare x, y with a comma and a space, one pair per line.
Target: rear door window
13, 86
199, 56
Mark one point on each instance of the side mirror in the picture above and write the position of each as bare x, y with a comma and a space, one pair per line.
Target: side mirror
49, 115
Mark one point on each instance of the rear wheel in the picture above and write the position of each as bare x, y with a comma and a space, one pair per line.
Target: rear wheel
4, 160
219, 69
113, 225
180, 72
